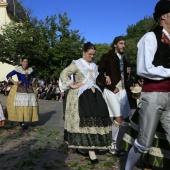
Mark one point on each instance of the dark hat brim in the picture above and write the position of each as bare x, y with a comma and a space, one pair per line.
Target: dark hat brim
161, 8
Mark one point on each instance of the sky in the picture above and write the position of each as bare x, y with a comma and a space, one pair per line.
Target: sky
98, 21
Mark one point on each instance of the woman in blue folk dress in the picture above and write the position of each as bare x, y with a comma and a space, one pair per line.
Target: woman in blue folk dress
22, 105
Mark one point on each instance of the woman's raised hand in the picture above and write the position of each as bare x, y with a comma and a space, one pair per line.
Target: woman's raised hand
76, 85
18, 83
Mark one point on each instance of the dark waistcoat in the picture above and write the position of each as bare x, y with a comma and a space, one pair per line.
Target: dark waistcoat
162, 56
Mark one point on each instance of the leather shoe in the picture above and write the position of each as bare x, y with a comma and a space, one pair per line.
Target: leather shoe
116, 152
112, 151
24, 126
120, 152
81, 153
94, 161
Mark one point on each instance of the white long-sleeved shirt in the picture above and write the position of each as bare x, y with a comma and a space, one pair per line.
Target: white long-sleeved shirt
147, 47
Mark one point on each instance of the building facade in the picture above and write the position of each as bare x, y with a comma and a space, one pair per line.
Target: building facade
8, 9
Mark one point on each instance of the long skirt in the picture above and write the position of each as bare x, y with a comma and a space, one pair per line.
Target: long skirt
87, 122
159, 154
22, 107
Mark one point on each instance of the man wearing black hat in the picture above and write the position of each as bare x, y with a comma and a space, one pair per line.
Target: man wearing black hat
114, 66
153, 64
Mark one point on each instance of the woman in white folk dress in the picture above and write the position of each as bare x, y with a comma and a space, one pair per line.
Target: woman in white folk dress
87, 122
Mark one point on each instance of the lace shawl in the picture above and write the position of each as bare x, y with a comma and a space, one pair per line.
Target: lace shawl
90, 72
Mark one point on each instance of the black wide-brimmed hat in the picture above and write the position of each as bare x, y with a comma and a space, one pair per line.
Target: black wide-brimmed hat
162, 7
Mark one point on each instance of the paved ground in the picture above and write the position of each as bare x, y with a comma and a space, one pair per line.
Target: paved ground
41, 147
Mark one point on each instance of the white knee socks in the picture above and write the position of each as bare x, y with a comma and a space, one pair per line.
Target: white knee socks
115, 131
133, 157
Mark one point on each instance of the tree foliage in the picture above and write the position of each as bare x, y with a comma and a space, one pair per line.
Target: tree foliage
100, 50
134, 34
48, 44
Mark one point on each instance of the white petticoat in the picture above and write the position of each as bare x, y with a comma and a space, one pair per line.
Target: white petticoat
25, 99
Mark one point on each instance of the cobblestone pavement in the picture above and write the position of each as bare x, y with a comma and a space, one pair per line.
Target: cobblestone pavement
41, 147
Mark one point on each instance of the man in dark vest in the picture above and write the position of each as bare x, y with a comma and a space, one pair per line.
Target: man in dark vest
153, 64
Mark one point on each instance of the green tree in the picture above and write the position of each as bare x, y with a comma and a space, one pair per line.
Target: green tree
100, 50
134, 34
47, 44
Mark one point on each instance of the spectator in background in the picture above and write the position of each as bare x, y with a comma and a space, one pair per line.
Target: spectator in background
58, 93
7, 90
53, 92
44, 91
1, 87
48, 92
2, 117
38, 90
5, 86
42, 82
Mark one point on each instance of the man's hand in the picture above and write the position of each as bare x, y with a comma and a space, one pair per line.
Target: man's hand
108, 80
131, 88
116, 90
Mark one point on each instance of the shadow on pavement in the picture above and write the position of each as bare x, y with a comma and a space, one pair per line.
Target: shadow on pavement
43, 118
35, 148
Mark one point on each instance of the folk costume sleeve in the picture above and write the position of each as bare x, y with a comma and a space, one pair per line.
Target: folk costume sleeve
33, 74
65, 76
11, 74
147, 47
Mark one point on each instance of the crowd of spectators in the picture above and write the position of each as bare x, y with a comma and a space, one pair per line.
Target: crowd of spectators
48, 91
